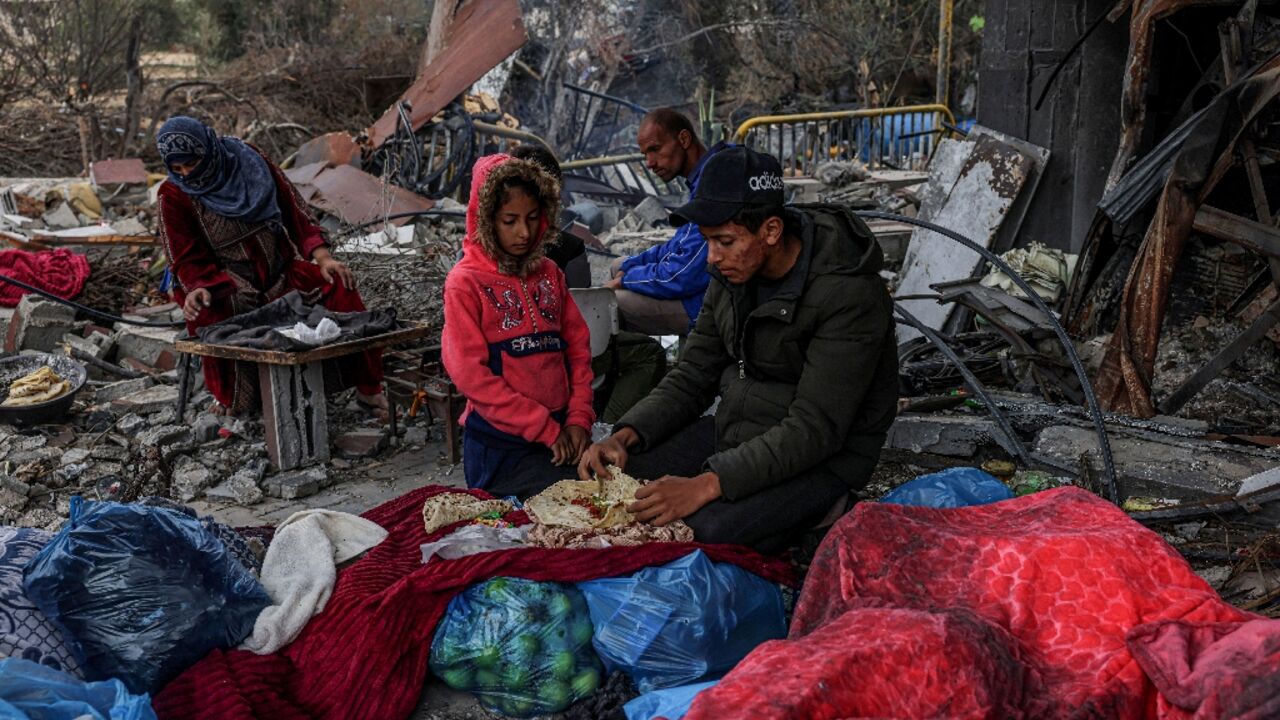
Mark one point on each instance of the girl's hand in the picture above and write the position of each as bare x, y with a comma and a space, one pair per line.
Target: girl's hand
569, 445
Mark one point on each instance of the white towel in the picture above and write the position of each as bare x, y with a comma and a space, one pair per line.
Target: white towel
301, 568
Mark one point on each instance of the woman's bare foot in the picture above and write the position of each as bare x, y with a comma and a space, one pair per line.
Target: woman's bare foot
375, 405
219, 409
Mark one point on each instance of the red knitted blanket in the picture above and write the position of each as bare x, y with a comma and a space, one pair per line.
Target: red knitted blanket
60, 272
1056, 605
366, 656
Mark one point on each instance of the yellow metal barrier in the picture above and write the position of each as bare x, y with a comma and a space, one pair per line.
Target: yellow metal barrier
878, 136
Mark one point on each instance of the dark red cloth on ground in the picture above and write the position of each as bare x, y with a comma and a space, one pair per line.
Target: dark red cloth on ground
60, 272
366, 656
1075, 583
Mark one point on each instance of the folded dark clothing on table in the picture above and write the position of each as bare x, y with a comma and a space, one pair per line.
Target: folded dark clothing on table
260, 329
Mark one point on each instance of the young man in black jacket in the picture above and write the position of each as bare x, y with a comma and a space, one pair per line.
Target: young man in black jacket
796, 337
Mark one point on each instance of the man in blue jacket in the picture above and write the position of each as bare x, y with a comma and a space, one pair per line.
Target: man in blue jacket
660, 290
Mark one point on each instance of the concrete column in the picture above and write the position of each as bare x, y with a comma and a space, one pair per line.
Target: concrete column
295, 414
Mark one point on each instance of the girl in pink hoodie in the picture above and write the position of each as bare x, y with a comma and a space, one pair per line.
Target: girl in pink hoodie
514, 342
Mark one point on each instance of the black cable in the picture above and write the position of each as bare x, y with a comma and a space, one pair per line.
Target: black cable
1104, 445
972, 381
1044, 92
108, 317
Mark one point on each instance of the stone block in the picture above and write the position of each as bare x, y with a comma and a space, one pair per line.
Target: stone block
239, 489
71, 341
362, 443
952, 436
295, 414
165, 435
121, 389
38, 324
6, 314
205, 428
13, 494
131, 424
61, 217
144, 343
75, 455
297, 483
152, 400
1159, 465
190, 479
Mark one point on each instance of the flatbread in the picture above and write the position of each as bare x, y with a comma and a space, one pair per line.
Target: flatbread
556, 505
37, 387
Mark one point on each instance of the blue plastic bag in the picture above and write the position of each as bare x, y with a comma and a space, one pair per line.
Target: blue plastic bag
523, 647
31, 690
142, 593
684, 622
953, 488
671, 703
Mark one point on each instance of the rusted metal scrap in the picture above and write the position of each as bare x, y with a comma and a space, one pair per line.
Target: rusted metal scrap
483, 34
1124, 382
354, 196
1133, 103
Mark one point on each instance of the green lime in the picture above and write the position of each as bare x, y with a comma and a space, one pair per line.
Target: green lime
555, 696
581, 631
560, 606
563, 664
496, 589
458, 678
489, 657
486, 680
529, 645
585, 683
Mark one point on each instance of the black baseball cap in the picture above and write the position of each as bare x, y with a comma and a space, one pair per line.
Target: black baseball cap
734, 178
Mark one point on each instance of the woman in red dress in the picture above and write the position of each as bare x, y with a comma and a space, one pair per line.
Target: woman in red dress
238, 236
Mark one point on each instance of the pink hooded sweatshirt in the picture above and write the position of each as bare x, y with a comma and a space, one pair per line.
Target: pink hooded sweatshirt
514, 342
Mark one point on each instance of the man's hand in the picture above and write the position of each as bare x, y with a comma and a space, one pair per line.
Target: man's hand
610, 451
332, 270
672, 498
569, 445
614, 283
197, 300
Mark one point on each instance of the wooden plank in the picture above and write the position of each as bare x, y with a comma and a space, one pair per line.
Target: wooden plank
1250, 234
992, 179
483, 34
415, 331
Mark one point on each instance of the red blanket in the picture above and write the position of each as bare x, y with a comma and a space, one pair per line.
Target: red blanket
1056, 605
366, 655
60, 272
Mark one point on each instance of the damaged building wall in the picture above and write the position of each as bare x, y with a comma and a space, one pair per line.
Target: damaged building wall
1024, 41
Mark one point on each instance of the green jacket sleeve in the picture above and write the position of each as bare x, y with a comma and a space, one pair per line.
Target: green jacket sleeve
689, 388
851, 330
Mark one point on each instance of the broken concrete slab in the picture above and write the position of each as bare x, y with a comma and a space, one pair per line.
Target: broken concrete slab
122, 388
148, 401
297, 483
190, 478
144, 343
240, 488
72, 341
362, 443
61, 218
205, 428
38, 324
1153, 465
959, 436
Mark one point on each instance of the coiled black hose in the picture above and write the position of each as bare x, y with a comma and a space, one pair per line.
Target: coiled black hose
1090, 399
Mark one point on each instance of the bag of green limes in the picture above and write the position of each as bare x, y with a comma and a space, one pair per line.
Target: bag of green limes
522, 647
